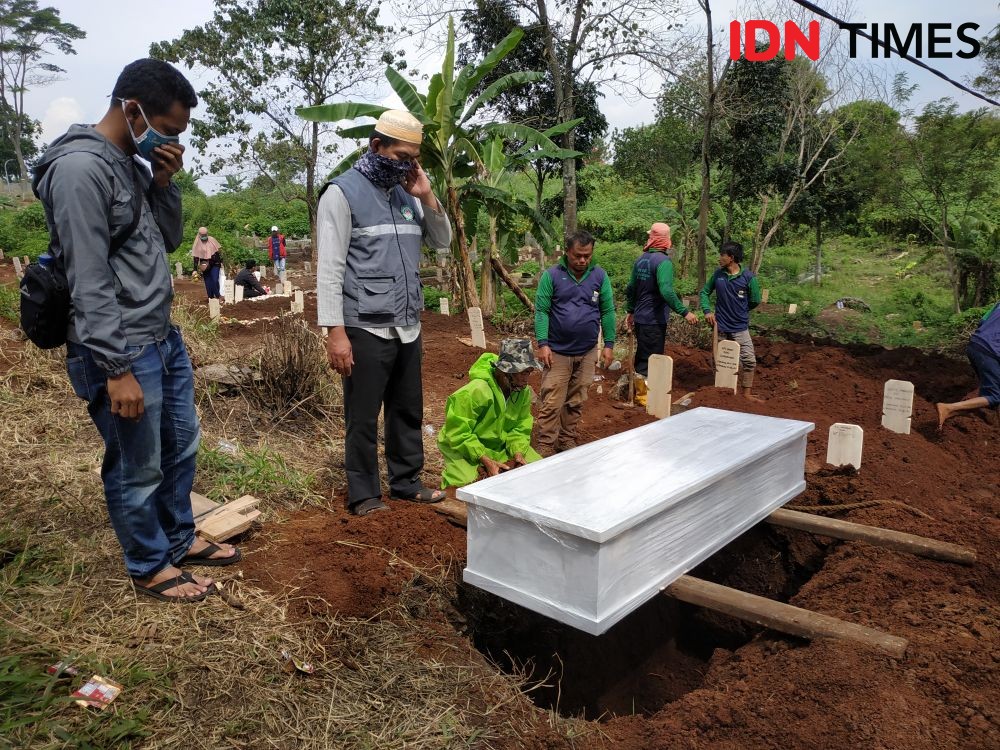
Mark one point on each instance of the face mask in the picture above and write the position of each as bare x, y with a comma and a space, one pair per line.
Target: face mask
150, 138
382, 170
204, 238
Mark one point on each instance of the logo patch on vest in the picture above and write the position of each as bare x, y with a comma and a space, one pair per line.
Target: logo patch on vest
407, 213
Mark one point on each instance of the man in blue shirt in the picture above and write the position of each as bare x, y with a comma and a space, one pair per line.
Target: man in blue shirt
984, 354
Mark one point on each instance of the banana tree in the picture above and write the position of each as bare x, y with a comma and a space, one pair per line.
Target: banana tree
450, 152
503, 208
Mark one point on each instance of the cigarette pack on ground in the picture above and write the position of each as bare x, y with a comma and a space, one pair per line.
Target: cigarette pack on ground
98, 692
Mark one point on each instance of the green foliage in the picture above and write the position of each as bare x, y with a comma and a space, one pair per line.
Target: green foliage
260, 471
432, 297
617, 258
10, 303
621, 213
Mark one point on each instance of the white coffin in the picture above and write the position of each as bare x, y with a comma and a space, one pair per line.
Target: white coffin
588, 535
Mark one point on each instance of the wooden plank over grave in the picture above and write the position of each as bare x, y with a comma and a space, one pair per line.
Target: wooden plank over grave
727, 365
476, 325
659, 383
843, 448
897, 406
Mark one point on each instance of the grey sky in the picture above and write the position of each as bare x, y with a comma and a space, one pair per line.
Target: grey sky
119, 32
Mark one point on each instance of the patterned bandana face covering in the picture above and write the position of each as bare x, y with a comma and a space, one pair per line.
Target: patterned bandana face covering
383, 171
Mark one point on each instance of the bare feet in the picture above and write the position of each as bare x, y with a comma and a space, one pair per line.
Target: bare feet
195, 586
943, 413
750, 397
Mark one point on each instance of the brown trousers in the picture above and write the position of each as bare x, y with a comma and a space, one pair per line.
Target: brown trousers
564, 390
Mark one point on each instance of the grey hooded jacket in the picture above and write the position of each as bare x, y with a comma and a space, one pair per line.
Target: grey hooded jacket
86, 185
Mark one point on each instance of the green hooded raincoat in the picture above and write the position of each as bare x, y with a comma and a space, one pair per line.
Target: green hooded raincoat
480, 421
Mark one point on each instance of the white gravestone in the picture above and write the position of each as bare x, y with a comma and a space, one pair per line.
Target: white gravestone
178, 269
213, 308
844, 445
17, 268
308, 266
230, 291
897, 406
564, 549
793, 308
279, 288
764, 295
263, 272
476, 324
1, 255
238, 293
443, 302
300, 304
727, 364
659, 384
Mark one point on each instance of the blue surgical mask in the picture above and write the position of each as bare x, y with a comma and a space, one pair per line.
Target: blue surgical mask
146, 143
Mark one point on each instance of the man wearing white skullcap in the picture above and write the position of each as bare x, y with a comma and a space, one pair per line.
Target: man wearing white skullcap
371, 223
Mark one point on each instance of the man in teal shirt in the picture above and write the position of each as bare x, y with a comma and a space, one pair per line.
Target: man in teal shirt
737, 292
572, 304
650, 297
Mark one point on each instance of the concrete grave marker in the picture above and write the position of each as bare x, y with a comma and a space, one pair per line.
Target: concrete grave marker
764, 295
897, 406
238, 293
727, 364
1, 255
659, 384
844, 446
476, 324
279, 288
178, 269
17, 268
443, 302
300, 304
213, 309
281, 275
263, 272
230, 291
793, 308
308, 266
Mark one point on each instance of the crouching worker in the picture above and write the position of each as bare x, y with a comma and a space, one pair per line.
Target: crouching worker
984, 354
247, 278
487, 422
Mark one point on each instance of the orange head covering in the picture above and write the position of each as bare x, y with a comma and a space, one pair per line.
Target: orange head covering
659, 237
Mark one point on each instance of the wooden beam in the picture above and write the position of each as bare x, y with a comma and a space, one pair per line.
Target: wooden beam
784, 617
897, 540
509, 281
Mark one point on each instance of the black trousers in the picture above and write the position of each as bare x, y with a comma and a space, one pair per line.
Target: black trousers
650, 338
387, 372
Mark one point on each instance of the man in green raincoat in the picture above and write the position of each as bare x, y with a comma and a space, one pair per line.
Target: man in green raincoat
487, 423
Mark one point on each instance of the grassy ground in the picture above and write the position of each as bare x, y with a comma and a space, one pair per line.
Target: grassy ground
208, 675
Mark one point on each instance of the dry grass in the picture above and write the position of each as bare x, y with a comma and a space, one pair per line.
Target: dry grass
210, 675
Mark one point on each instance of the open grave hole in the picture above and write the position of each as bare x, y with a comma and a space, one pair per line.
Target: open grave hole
654, 656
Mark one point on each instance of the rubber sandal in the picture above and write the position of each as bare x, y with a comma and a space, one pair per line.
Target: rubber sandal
205, 557
364, 507
423, 495
156, 592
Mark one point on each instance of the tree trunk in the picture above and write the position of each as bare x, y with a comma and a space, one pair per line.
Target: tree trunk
569, 171
311, 193
514, 287
487, 289
682, 267
819, 250
952, 267
470, 296
706, 175
539, 184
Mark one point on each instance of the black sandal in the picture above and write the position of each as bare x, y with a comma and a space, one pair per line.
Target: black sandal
364, 507
157, 590
423, 495
205, 557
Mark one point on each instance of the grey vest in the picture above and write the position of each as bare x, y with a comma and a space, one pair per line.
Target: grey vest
382, 280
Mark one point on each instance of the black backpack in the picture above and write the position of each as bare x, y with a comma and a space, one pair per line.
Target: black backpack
45, 299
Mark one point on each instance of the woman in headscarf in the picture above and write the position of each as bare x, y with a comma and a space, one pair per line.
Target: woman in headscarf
208, 260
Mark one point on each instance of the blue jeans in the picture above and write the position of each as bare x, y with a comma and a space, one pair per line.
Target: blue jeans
211, 277
279, 265
148, 464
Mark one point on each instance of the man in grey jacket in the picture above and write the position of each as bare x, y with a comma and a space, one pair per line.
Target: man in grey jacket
124, 357
371, 223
